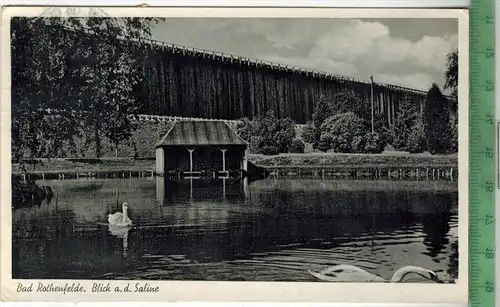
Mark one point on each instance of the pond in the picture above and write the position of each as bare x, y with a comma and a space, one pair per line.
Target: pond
266, 230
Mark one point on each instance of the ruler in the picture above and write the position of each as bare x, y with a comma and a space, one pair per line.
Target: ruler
482, 158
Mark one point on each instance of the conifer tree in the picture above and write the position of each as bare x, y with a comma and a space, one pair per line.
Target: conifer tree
436, 121
403, 123
322, 110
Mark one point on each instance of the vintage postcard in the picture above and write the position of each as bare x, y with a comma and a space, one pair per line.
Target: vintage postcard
222, 154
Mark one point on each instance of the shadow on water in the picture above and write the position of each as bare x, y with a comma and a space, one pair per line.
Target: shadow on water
220, 230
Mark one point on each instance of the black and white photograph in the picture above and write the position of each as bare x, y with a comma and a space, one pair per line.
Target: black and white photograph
235, 149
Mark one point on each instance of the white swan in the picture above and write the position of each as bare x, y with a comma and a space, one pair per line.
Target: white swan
351, 273
120, 219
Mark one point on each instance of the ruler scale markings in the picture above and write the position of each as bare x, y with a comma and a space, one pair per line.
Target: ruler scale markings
482, 155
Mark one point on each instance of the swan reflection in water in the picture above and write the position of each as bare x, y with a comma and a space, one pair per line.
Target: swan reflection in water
351, 273
120, 232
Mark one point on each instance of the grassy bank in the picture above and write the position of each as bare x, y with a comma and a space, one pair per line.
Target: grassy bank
355, 160
283, 160
90, 165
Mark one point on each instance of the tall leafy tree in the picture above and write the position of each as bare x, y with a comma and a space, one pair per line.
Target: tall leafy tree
84, 71
451, 74
322, 110
436, 119
344, 101
350, 101
38, 87
345, 132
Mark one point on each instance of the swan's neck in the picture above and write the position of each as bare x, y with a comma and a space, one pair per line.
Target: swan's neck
404, 271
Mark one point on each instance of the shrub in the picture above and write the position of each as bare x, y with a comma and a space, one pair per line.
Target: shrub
358, 144
309, 133
143, 141
347, 131
244, 129
387, 135
379, 122
325, 142
416, 139
297, 146
375, 143
269, 149
256, 143
284, 134
267, 134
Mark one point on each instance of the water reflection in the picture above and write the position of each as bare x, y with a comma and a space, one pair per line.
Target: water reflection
120, 232
221, 230
193, 190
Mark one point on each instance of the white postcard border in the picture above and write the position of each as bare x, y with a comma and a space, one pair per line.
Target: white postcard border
173, 291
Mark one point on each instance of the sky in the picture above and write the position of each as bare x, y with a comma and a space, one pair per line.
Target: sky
406, 52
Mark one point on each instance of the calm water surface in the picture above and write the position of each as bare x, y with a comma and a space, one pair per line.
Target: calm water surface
268, 230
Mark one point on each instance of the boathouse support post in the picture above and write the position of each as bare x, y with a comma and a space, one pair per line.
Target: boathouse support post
223, 158
190, 160
160, 160
245, 160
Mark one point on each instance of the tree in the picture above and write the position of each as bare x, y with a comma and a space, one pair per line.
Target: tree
325, 142
38, 84
284, 134
244, 128
374, 143
297, 146
322, 110
436, 121
404, 121
385, 132
83, 69
416, 139
344, 101
268, 134
347, 131
309, 133
350, 101
453, 142
451, 74
452, 84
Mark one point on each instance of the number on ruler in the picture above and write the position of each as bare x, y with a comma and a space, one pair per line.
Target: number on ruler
489, 153
489, 286
489, 253
489, 119
490, 19
489, 219
490, 52
489, 187
489, 86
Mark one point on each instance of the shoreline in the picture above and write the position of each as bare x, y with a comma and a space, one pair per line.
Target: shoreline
309, 164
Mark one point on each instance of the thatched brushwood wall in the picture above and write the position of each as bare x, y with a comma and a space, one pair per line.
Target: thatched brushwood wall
184, 82
191, 83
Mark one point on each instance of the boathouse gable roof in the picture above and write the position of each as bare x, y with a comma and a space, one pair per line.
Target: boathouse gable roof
199, 133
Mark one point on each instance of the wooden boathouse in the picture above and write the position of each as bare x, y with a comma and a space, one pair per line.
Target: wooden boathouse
195, 149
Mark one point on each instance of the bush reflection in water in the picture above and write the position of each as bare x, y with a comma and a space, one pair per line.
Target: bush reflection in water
268, 230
